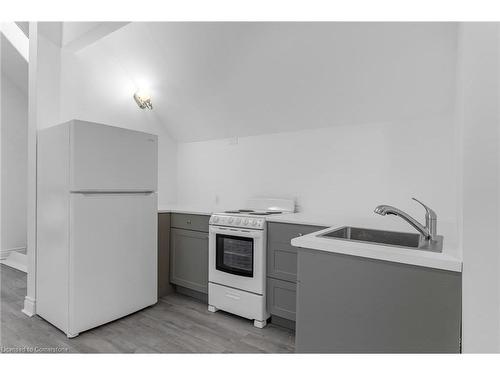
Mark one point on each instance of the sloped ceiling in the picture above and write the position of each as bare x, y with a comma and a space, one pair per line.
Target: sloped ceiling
219, 80
74, 36
25, 28
14, 65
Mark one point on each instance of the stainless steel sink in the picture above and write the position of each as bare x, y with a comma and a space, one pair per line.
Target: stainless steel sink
387, 238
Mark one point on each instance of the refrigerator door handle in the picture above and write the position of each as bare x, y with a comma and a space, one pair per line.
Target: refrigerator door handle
114, 192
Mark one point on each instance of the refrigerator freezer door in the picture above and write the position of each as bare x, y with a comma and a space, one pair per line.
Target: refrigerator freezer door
113, 257
107, 158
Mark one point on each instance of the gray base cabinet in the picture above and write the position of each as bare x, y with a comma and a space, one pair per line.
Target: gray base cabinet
348, 304
164, 286
282, 269
189, 252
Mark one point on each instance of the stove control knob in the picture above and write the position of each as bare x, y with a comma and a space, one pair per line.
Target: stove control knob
230, 220
216, 219
237, 221
245, 222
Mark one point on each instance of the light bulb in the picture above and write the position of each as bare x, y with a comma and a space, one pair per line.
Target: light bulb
143, 99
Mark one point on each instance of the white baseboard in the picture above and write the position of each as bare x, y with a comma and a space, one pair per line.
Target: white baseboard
29, 306
4, 253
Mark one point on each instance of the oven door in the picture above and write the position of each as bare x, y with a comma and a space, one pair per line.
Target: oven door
236, 258
234, 254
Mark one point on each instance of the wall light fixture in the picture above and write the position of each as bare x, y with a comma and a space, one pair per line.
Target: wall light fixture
143, 99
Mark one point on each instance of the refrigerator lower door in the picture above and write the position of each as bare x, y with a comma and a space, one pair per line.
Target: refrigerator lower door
113, 257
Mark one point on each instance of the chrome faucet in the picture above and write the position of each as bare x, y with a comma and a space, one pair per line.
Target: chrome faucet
429, 232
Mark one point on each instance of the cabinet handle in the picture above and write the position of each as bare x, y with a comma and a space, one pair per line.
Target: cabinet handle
188, 222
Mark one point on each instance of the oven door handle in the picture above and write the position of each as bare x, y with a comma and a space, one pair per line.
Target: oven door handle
237, 232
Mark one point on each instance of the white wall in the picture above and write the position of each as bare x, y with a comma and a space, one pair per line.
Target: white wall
95, 88
383, 98
14, 120
346, 170
479, 120
48, 82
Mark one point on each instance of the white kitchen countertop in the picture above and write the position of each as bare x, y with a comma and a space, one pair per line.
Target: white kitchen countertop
448, 259
186, 210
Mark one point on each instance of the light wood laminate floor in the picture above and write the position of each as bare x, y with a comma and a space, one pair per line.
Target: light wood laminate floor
176, 324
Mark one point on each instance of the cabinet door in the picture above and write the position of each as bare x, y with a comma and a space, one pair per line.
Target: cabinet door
189, 259
348, 304
281, 297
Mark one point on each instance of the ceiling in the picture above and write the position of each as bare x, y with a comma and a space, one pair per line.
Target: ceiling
14, 66
220, 80
25, 27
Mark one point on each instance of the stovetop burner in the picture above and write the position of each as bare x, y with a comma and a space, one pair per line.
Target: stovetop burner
255, 217
252, 212
266, 213
238, 211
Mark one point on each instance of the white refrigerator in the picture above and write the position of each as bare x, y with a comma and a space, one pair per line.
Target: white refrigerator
96, 224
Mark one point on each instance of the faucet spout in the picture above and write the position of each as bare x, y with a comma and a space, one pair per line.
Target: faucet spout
428, 231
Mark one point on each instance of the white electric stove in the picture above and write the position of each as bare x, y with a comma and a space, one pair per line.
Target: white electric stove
237, 258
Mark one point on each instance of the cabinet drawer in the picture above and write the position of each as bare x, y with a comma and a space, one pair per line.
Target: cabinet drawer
281, 255
280, 232
190, 222
281, 298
